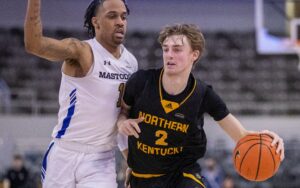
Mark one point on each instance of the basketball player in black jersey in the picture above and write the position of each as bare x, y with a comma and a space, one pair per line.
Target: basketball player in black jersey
163, 116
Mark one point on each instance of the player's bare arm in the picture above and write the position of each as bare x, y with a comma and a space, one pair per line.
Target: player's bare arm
128, 126
233, 127
6, 183
72, 51
236, 131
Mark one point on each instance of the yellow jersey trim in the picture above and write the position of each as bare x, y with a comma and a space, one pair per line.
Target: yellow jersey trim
191, 176
165, 103
138, 175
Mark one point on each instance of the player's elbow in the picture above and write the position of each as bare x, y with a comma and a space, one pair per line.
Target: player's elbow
31, 47
28, 46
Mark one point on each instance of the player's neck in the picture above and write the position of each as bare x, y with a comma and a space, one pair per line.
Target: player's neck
174, 84
114, 50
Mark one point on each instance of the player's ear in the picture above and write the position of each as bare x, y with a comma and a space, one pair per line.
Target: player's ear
196, 54
95, 22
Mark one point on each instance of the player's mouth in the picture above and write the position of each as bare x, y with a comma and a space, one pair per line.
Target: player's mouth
119, 33
171, 64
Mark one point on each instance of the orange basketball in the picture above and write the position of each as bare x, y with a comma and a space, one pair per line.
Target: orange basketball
254, 158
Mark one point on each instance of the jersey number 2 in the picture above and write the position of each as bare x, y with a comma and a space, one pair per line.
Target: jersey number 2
121, 93
162, 136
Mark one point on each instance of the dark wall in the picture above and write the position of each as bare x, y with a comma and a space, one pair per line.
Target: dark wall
146, 14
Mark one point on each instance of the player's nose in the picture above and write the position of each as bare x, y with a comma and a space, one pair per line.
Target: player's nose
120, 21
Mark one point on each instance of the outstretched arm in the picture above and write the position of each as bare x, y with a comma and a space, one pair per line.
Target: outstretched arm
48, 48
236, 131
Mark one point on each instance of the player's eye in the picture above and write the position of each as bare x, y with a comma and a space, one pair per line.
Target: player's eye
177, 49
112, 16
124, 17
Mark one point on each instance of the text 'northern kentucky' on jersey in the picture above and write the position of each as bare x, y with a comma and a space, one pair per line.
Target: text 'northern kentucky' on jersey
172, 134
89, 105
163, 125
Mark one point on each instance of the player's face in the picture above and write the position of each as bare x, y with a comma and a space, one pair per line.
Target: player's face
178, 55
111, 22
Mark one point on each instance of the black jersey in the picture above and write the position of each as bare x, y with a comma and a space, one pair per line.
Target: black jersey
172, 134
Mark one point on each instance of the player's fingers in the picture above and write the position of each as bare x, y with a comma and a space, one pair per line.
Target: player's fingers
132, 130
135, 134
280, 148
273, 135
140, 119
275, 141
270, 133
124, 130
282, 155
136, 127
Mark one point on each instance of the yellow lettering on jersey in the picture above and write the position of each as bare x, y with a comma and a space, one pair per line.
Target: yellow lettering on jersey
161, 121
169, 106
164, 123
167, 124
154, 120
185, 128
147, 118
179, 127
158, 151
174, 125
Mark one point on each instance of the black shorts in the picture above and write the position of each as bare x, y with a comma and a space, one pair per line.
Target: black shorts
186, 178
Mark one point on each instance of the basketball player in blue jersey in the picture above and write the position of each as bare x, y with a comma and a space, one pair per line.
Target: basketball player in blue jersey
163, 112
93, 76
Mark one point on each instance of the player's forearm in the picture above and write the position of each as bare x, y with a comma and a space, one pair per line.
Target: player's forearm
122, 117
45, 47
33, 32
6, 183
124, 113
233, 127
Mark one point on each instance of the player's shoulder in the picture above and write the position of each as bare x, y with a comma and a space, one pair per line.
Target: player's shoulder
129, 57
140, 79
202, 83
202, 86
145, 74
128, 53
75, 43
149, 71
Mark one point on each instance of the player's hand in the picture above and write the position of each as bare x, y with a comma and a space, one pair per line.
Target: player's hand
127, 177
130, 127
277, 141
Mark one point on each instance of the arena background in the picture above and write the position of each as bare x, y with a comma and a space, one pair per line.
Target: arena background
263, 91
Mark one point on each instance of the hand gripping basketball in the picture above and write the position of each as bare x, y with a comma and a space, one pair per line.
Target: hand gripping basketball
255, 158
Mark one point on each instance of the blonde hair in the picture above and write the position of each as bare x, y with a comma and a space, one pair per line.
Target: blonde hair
191, 31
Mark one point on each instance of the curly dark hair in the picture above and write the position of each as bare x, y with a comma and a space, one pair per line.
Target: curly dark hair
91, 12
